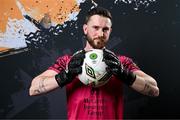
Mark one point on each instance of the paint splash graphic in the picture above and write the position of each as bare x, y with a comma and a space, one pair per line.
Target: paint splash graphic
16, 23
26, 22
136, 3
43, 37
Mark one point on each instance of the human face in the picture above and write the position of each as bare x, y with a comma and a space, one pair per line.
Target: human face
97, 30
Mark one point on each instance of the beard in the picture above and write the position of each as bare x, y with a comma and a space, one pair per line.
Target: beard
96, 43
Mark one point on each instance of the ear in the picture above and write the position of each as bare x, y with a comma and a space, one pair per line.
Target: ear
85, 28
110, 30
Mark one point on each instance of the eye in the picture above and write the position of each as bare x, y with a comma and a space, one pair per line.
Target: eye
96, 27
105, 29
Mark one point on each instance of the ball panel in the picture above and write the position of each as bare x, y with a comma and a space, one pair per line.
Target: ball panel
94, 69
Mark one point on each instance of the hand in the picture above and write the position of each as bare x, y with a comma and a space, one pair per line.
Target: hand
116, 68
74, 68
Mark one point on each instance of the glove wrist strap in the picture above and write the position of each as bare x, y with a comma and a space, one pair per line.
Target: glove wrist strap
127, 77
62, 78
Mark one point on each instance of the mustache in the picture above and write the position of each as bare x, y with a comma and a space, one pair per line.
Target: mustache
100, 38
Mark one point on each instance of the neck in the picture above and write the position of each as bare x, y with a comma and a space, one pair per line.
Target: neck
88, 46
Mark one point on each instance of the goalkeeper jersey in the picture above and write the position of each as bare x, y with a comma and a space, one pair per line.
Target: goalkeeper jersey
85, 102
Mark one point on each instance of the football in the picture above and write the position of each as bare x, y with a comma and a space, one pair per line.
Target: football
94, 69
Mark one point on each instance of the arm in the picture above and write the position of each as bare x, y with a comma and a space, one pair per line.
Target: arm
43, 83
50, 80
138, 80
145, 84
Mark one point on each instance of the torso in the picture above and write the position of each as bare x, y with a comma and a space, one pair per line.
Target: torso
85, 102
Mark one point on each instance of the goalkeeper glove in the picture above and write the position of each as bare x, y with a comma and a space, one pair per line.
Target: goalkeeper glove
115, 67
74, 68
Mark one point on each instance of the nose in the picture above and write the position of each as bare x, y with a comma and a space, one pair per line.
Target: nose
100, 33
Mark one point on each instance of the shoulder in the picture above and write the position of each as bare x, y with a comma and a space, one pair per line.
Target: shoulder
125, 58
63, 59
60, 63
128, 63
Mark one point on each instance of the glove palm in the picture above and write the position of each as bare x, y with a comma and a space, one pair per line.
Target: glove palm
74, 68
116, 68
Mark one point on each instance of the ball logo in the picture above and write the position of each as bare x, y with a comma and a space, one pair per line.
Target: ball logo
94, 71
93, 56
89, 71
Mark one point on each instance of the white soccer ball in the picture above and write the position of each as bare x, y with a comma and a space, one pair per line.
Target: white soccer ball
94, 69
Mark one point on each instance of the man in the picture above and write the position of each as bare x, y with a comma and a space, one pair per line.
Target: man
86, 102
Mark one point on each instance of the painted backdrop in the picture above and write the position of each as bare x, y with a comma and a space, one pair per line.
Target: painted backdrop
33, 33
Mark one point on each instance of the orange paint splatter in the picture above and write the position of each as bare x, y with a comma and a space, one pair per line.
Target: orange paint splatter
8, 10
58, 10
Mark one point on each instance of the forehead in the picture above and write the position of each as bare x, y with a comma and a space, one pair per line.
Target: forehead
100, 21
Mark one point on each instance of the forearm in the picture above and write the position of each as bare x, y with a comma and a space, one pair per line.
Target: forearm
146, 85
42, 84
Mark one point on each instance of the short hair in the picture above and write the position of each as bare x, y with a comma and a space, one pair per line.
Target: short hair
98, 11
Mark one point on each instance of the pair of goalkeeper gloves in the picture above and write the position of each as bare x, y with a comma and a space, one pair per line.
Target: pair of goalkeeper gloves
114, 67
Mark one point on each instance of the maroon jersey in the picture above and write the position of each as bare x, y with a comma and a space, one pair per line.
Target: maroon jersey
85, 102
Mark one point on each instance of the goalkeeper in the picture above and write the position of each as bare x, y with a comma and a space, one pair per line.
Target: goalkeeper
85, 102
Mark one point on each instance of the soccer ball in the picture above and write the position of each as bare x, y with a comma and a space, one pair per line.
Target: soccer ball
94, 69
